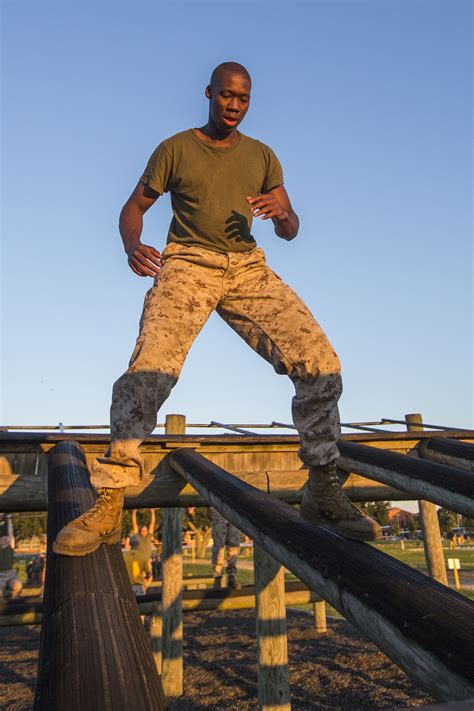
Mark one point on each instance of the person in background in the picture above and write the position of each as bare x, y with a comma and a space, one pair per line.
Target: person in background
145, 534
138, 567
226, 538
10, 583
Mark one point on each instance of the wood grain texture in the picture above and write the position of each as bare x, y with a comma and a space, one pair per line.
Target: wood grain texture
94, 653
445, 486
426, 628
172, 586
272, 643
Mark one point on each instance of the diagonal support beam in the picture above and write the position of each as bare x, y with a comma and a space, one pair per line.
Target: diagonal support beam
427, 629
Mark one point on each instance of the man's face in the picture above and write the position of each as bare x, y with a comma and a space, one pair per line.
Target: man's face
229, 101
143, 531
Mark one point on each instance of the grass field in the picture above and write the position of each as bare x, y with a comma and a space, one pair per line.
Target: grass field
413, 555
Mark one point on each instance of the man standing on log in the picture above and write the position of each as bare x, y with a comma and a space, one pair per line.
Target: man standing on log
219, 179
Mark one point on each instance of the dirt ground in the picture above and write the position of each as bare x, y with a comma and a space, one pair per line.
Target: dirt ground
336, 672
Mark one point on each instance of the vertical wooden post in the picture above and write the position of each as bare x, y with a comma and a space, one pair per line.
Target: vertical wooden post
172, 571
429, 522
320, 621
273, 688
156, 635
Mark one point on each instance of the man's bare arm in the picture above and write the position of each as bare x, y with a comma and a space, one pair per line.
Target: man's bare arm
11, 535
152, 521
134, 522
276, 205
143, 259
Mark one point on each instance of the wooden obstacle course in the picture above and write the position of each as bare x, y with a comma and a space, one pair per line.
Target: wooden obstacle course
400, 480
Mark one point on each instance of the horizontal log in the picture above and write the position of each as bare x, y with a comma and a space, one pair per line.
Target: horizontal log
16, 612
423, 626
448, 451
451, 488
42, 441
26, 491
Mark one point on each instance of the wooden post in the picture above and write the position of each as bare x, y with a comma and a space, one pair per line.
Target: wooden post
156, 635
273, 688
320, 621
94, 653
172, 572
429, 522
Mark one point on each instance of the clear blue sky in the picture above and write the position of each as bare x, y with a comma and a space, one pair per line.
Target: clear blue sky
367, 105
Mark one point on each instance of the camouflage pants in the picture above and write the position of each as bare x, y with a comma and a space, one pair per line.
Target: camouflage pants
268, 315
9, 581
225, 536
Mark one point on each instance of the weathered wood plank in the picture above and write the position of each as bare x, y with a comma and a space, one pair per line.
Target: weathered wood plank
94, 653
172, 586
273, 687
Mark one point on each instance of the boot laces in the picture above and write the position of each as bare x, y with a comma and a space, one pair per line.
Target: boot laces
340, 502
103, 502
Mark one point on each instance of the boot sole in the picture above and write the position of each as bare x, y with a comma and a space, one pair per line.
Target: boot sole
109, 540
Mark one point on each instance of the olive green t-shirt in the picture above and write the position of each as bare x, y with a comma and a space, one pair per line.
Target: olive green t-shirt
6, 558
209, 186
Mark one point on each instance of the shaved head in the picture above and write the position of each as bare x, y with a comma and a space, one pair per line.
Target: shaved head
228, 68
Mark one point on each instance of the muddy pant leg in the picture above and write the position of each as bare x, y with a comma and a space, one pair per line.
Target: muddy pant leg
219, 534
184, 294
233, 548
276, 323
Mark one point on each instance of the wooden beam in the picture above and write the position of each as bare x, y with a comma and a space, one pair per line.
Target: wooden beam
423, 626
94, 653
429, 523
24, 611
272, 643
448, 451
172, 586
445, 486
23, 486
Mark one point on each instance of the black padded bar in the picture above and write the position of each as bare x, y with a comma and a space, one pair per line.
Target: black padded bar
449, 487
94, 653
422, 625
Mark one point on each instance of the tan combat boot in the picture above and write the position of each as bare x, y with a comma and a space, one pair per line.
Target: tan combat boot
324, 504
101, 524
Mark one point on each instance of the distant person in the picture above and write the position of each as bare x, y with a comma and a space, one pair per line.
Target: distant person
138, 567
36, 571
10, 583
226, 540
219, 180
145, 534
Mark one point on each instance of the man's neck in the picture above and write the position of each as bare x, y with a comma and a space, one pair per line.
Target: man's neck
210, 134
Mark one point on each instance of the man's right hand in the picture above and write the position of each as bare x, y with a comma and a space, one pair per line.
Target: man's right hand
144, 260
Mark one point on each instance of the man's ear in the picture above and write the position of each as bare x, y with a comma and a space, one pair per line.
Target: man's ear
208, 91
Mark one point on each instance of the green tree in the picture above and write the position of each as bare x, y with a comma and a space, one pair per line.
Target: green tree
198, 521
412, 524
377, 510
447, 520
26, 525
